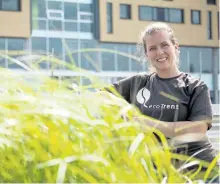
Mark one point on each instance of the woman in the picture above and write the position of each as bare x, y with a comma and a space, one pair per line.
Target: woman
179, 100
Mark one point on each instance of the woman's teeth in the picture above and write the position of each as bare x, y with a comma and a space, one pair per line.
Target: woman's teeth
163, 59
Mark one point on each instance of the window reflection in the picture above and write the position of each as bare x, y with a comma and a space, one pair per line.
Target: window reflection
70, 11
70, 46
108, 59
19, 45
39, 47
2, 52
123, 61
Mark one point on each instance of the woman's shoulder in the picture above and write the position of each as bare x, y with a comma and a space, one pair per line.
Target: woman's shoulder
192, 82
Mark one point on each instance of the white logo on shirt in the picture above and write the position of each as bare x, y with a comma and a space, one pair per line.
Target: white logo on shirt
143, 96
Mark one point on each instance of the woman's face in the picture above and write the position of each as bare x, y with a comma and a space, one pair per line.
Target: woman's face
161, 51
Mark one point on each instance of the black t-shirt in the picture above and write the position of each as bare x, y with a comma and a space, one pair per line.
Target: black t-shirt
181, 98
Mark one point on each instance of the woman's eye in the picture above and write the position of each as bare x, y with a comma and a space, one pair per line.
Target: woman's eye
152, 48
165, 45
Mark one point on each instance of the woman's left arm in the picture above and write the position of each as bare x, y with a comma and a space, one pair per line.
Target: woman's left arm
199, 118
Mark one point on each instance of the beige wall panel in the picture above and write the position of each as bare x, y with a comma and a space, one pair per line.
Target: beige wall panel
16, 24
128, 31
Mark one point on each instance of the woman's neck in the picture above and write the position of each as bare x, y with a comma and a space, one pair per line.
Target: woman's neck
168, 73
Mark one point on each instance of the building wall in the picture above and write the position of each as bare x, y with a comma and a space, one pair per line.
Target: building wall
72, 30
16, 23
128, 31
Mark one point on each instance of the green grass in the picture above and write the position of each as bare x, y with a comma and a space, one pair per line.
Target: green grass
50, 132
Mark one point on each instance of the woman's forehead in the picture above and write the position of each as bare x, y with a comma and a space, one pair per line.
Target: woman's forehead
157, 37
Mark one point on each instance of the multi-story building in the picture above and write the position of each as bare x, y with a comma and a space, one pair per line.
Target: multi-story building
102, 35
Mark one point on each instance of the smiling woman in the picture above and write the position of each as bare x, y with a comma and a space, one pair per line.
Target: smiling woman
178, 100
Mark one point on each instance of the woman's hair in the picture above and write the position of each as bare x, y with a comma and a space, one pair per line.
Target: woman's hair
151, 29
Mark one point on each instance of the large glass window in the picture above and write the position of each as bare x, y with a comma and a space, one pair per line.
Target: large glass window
71, 26
145, 13
55, 5
89, 59
206, 60
109, 18
86, 27
71, 54
125, 11
55, 25
123, 61
70, 11
136, 65
39, 9
108, 59
10, 5
85, 7
195, 17
39, 47
55, 50
194, 59
15, 44
184, 59
2, 52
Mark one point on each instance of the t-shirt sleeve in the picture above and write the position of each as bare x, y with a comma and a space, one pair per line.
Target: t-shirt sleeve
123, 88
200, 107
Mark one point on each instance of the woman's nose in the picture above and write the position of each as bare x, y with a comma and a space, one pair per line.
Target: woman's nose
160, 51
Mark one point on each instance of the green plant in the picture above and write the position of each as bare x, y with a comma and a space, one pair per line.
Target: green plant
51, 132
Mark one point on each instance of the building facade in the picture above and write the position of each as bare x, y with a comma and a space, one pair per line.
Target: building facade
102, 36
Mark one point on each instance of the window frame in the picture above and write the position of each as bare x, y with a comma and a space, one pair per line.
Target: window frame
130, 11
182, 15
192, 20
154, 9
18, 10
109, 8
139, 12
209, 3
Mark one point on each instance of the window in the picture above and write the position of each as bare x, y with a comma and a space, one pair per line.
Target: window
89, 59
160, 14
109, 18
71, 26
206, 60
86, 27
145, 13
55, 25
72, 45
211, 2
218, 25
195, 17
148, 13
54, 5
122, 61
85, 7
3, 52
70, 11
125, 11
38, 8
16, 44
56, 47
10, 5
39, 47
209, 23
194, 60
107, 58
176, 15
